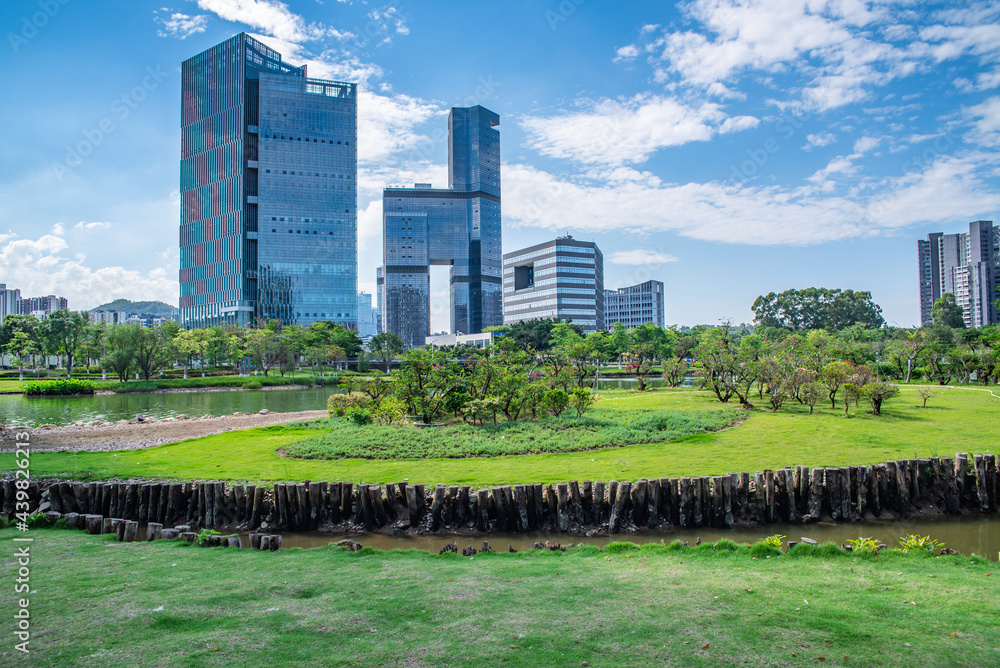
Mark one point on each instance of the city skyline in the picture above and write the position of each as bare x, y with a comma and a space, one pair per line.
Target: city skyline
755, 147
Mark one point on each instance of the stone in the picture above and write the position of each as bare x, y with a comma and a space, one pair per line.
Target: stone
808, 541
78, 423
140, 417
182, 416
264, 411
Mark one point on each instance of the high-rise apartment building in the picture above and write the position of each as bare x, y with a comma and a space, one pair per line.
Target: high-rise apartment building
41, 307
635, 305
10, 301
562, 279
458, 226
268, 190
968, 266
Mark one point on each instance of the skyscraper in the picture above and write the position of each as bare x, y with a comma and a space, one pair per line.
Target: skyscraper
268, 190
458, 227
563, 278
968, 266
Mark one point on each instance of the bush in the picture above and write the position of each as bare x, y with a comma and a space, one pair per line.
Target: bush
390, 411
359, 416
581, 399
252, 384
58, 387
364, 364
338, 404
914, 543
621, 547
555, 401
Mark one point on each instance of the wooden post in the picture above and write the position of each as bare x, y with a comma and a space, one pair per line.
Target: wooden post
979, 464
131, 530
437, 507
346, 501
576, 502
367, 512
95, 523
833, 493
462, 506
143, 512
587, 502
903, 487
861, 493
791, 494
685, 504
717, 514
618, 510
483, 510
698, 513
728, 484
302, 497
759, 498
378, 505
521, 502
412, 506
961, 482
315, 493
600, 511
845, 493
538, 491
562, 505
154, 531
817, 482
991, 480
668, 496
639, 501
209, 505
612, 494
654, 503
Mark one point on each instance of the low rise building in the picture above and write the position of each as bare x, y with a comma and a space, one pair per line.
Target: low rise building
635, 305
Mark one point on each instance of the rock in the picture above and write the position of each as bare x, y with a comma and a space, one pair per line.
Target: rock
236, 413
205, 417
264, 411
48, 426
122, 422
96, 423
140, 417
808, 541
78, 423
349, 544
182, 416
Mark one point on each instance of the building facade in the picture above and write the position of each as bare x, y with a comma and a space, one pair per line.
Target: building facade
268, 190
562, 279
366, 316
41, 307
966, 265
635, 305
10, 301
458, 226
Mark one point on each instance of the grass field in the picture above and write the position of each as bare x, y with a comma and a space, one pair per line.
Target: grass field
96, 602
956, 420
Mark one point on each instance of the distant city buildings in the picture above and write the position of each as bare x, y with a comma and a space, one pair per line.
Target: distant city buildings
966, 265
148, 320
480, 340
458, 227
635, 305
563, 279
366, 316
268, 190
10, 301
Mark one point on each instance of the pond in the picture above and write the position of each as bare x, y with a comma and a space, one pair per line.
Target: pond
19, 410
969, 535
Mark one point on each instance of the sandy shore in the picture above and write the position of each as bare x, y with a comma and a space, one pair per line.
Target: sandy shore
124, 435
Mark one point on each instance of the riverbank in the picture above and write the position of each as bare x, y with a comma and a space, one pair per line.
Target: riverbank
127, 435
123, 604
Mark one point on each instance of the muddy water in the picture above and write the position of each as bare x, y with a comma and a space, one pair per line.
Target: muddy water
969, 535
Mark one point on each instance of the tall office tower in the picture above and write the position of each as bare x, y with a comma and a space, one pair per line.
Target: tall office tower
635, 305
366, 316
968, 266
268, 190
10, 301
380, 300
562, 279
458, 227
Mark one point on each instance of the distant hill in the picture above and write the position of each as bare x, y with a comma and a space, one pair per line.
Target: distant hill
148, 308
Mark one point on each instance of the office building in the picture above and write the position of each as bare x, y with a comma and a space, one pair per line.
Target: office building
968, 266
379, 300
41, 307
268, 191
562, 279
458, 226
635, 305
10, 301
366, 316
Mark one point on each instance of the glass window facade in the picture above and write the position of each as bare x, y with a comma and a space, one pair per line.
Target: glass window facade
268, 190
968, 266
563, 279
635, 305
458, 227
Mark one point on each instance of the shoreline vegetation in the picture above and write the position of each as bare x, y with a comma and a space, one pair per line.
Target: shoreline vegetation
731, 604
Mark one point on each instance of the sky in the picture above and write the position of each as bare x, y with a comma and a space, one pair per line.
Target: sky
726, 148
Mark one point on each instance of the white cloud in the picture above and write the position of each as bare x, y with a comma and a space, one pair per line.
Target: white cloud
640, 256
627, 52
627, 131
182, 26
272, 17
40, 267
985, 119
387, 123
88, 227
866, 144
58, 229
818, 140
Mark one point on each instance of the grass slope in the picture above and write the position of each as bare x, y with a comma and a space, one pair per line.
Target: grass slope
958, 420
96, 602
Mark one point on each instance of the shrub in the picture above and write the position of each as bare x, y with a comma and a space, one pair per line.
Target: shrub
364, 364
773, 540
58, 387
763, 549
252, 384
555, 401
390, 411
338, 404
862, 544
914, 543
478, 410
581, 399
359, 416
725, 544
205, 537
621, 547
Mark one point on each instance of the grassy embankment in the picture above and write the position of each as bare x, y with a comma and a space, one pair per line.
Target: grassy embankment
193, 381
102, 603
957, 420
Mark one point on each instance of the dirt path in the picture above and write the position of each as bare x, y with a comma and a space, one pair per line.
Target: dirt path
147, 434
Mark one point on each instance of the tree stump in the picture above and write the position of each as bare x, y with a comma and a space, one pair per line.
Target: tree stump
619, 509
131, 530
95, 524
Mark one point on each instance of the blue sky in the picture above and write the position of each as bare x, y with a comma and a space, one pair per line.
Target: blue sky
726, 148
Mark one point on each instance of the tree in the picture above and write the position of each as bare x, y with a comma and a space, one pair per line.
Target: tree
817, 308
150, 352
65, 330
385, 347
121, 348
947, 313
426, 378
925, 393
263, 347
581, 399
833, 376
19, 337
878, 392
185, 346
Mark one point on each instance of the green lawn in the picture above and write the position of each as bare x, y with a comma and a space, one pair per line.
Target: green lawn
956, 420
96, 602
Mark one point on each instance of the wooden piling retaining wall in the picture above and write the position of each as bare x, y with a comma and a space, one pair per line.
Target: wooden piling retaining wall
894, 489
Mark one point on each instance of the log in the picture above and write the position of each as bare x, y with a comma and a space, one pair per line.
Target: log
562, 501
507, 497
759, 500
961, 478
106, 525
846, 493
816, 485
798, 476
639, 502
462, 506
696, 490
834, 491
780, 495
553, 506
769, 495
979, 468
539, 494
209, 514
450, 504
82, 492
913, 477
170, 534
131, 530
718, 515
482, 508
991, 480
55, 498
706, 499
280, 506
334, 504
257, 507
175, 503
587, 502
860, 493
95, 524
654, 503
925, 482
437, 507
154, 531
378, 505
685, 503
254, 539
302, 503
952, 495
874, 502
521, 504
412, 507
367, 512
315, 494
667, 501
792, 480
497, 510
600, 510
421, 500
903, 483
620, 507
576, 503
743, 496
612, 494
346, 501
240, 503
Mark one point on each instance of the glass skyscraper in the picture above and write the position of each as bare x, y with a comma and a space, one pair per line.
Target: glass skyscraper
268, 190
458, 227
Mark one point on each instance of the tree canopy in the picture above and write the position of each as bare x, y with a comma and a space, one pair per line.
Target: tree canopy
817, 308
